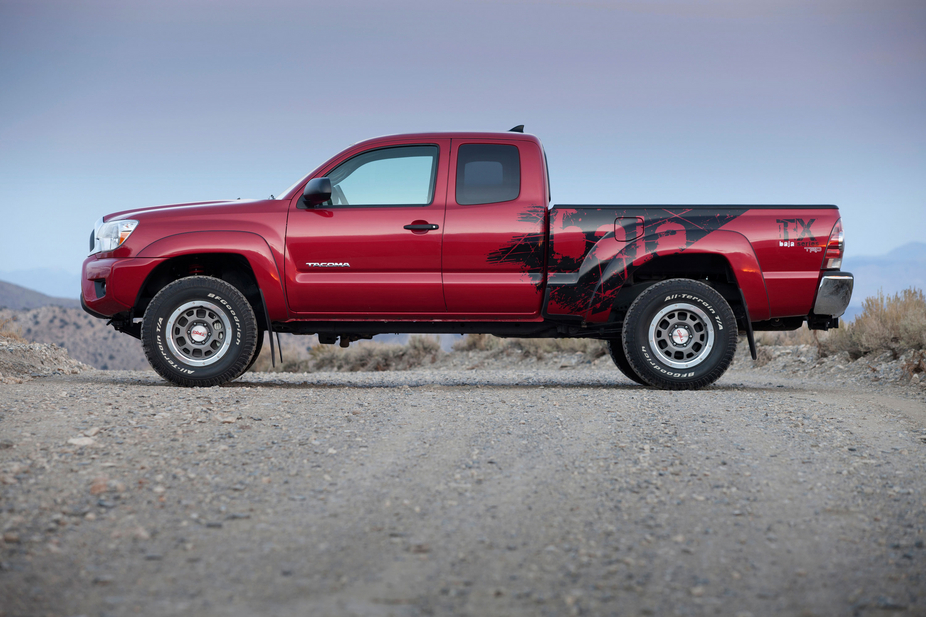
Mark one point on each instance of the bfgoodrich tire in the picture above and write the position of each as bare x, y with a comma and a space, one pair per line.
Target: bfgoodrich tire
258, 346
199, 331
616, 351
679, 335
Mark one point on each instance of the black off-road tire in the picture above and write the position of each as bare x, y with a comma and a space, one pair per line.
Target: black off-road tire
258, 346
616, 351
679, 334
199, 331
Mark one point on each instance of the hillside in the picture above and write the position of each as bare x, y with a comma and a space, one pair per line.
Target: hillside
17, 298
86, 338
54, 282
40, 318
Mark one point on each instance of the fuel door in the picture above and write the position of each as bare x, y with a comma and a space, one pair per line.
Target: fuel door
628, 228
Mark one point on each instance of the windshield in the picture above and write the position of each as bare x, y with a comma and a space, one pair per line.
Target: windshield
289, 188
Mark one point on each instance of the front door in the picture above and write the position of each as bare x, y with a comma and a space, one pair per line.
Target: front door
374, 249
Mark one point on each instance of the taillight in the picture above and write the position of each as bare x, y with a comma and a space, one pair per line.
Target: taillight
835, 248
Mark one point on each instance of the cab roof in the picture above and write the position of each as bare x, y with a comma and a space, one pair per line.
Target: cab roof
466, 135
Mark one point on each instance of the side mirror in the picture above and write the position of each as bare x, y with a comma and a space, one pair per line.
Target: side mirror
317, 191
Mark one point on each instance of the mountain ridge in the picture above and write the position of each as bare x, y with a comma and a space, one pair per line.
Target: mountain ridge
891, 273
54, 282
18, 298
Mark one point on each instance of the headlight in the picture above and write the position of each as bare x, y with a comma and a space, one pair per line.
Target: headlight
110, 236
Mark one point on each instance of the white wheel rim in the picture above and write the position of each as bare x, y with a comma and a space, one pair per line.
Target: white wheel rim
681, 335
198, 333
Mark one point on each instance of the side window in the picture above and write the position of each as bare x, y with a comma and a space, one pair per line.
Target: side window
487, 173
400, 176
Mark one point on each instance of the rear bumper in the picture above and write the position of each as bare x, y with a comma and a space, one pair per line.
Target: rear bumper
834, 294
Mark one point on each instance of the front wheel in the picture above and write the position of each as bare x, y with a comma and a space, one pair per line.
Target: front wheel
679, 335
258, 346
199, 331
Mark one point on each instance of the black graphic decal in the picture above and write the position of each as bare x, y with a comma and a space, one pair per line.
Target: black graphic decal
667, 231
804, 238
583, 242
525, 249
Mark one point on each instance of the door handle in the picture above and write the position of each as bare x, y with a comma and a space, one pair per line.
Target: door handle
422, 227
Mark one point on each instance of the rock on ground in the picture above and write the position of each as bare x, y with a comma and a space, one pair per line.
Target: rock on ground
21, 361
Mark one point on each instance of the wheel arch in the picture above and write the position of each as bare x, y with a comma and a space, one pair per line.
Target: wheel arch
249, 266
713, 269
723, 259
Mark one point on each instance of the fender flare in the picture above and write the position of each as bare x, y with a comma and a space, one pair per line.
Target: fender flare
253, 247
739, 253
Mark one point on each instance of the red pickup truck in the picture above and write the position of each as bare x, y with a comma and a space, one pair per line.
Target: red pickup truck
455, 233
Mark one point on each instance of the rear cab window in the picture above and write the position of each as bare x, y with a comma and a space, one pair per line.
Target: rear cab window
487, 174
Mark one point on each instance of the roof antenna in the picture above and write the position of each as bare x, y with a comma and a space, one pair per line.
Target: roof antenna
517, 129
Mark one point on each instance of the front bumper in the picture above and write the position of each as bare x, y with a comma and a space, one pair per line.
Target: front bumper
84, 306
110, 286
834, 294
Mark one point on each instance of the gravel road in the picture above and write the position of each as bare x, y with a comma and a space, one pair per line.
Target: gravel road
455, 492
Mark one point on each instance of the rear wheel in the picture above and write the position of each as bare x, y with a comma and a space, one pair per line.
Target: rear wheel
199, 331
679, 335
616, 351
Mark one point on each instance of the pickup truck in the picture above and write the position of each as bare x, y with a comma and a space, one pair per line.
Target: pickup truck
455, 233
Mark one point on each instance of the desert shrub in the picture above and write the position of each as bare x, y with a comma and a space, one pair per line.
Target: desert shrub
9, 331
373, 356
538, 348
423, 346
295, 349
801, 336
363, 356
478, 342
894, 323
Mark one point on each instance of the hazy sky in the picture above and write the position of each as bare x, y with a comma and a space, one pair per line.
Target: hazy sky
111, 105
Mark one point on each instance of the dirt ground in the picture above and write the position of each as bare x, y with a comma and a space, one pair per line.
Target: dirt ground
460, 492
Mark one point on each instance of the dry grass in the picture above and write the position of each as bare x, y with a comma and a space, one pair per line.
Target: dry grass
479, 342
538, 348
9, 331
295, 349
372, 356
305, 355
362, 356
801, 336
894, 323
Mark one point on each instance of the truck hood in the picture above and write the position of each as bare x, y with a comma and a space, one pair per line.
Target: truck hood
198, 208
